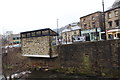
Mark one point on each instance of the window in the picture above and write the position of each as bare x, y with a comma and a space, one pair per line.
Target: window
93, 18
117, 23
93, 36
110, 36
75, 33
13, 38
28, 34
115, 35
33, 34
38, 33
85, 24
116, 13
78, 38
83, 20
45, 32
93, 24
109, 15
23, 35
110, 24
18, 38
118, 35
17, 42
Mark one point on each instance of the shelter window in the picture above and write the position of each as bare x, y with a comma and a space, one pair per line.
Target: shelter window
23, 35
28, 34
45, 32
38, 33
33, 34
52, 33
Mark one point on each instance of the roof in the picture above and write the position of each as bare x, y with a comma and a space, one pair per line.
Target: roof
116, 4
36, 30
71, 29
49, 33
91, 14
112, 9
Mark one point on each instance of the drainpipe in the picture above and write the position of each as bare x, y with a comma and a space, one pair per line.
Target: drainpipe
96, 33
50, 47
66, 38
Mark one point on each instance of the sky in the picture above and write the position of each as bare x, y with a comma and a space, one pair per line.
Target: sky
26, 15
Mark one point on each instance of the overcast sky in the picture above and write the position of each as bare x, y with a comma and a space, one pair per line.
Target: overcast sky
26, 15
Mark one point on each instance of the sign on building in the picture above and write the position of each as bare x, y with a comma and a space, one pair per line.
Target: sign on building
78, 38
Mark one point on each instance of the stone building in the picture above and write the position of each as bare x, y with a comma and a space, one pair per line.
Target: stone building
38, 43
91, 26
70, 32
16, 39
112, 17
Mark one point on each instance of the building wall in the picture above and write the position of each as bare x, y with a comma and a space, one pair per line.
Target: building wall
92, 26
88, 22
113, 18
36, 45
112, 30
16, 39
67, 37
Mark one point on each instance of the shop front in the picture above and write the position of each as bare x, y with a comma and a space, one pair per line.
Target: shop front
92, 34
113, 34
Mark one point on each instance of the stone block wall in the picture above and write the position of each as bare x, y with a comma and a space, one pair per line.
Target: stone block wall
99, 58
36, 45
91, 58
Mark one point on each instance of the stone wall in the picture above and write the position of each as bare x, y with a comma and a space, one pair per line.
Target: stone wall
91, 21
100, 58
36, 45
14, 62
91, 58
112, 18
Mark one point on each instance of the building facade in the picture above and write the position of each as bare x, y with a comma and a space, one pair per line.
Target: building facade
70, 32
91, 26
38, 43
112, 17
16, 39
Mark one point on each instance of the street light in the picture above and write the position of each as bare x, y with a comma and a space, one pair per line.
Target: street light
104, 18
57, 25
57, 31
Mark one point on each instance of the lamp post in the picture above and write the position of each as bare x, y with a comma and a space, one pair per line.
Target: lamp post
57, 26
104, 18
57, 32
